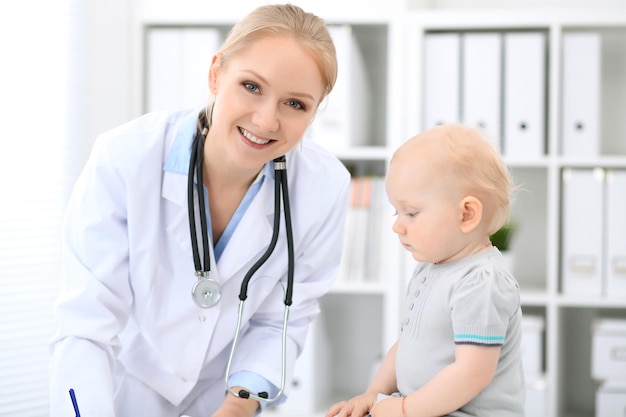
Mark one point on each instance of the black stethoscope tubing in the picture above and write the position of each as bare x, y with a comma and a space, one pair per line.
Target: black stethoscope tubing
280, 189
195, 166
204, 273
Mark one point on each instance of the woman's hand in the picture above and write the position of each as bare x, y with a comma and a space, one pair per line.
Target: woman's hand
237, 407
355, 407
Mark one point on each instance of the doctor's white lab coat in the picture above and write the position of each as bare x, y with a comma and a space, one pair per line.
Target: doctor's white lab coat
128, 271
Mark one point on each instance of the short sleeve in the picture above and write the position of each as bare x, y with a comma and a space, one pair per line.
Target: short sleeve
482, 303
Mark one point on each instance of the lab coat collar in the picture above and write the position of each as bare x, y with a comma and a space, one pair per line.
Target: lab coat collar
180, 152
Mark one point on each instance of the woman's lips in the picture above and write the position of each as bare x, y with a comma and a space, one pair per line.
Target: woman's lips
252, 138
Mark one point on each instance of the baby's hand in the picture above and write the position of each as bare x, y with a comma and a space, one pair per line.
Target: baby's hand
355, 407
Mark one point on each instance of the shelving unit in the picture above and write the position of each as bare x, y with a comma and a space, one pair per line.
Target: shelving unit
360, 320
538, 207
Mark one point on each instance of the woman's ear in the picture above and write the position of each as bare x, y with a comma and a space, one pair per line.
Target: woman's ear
472, 213
214, 72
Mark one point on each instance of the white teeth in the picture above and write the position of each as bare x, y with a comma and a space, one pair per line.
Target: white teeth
253, 138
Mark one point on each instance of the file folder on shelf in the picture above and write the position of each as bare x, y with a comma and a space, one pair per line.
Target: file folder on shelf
581, 94
582, 234
441, 78
524, 95
343, 119
482, 76
177, 67
615, 266
361, 256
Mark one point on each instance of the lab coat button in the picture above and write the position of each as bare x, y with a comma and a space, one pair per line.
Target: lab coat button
183, 380
404, 324
201, 318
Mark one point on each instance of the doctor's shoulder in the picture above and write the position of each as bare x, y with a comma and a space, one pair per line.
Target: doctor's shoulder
319, 164
322, 181
145, 139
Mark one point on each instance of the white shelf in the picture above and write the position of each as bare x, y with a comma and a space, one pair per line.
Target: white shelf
364, 153
590, 302
538, 206
347, 287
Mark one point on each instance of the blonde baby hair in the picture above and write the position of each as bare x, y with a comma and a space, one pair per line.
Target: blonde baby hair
475, 165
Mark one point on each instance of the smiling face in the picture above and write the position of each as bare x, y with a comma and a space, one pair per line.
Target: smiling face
265, 98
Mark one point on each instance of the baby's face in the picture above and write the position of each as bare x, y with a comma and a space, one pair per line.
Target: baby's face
428, 209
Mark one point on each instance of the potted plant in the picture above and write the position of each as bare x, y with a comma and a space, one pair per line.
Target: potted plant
502, 238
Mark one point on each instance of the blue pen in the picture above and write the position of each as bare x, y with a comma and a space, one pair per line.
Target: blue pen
74, 403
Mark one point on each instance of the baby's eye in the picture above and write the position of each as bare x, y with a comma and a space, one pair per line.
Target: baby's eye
251, 87
296, 104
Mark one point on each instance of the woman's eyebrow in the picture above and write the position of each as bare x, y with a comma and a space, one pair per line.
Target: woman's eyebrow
291, 93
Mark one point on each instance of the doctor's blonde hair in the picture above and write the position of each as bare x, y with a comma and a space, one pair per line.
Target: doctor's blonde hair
286, 20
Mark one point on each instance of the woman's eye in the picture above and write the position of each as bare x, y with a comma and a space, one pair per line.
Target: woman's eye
251, 87
296, 104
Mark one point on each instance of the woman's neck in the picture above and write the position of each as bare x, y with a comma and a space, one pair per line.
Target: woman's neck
219, 173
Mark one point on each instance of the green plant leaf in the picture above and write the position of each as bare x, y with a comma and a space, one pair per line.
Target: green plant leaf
502, 238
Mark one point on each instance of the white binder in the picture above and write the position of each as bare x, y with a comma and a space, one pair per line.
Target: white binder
615, 267
582, 234
343, 119
581, 94
482, 77
441, 78
524, 95
177, 66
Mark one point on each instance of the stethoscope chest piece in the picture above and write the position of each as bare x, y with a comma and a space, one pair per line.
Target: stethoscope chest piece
206, 292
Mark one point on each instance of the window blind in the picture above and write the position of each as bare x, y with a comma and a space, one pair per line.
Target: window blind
36, 173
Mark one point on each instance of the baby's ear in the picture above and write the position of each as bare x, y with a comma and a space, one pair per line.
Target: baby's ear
472, 213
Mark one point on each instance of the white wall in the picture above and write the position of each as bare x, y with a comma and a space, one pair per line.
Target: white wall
99, 81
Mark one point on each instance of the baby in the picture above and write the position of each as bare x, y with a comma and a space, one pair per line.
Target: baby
459, 349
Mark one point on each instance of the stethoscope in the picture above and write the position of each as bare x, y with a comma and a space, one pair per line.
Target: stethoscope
206, 290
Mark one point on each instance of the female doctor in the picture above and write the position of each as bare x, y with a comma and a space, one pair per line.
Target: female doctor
132, 339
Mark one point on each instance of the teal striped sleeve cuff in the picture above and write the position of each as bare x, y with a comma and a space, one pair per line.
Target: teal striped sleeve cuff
481, 336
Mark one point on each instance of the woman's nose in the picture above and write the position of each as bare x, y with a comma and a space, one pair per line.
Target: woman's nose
266, 117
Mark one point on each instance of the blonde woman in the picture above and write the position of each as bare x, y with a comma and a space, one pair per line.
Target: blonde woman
156, 245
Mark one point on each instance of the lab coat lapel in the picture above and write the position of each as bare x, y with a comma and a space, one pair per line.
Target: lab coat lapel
177, 220
248, 242
252, 235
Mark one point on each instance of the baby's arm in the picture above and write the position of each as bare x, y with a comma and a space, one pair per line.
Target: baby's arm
450, 389
384, 382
